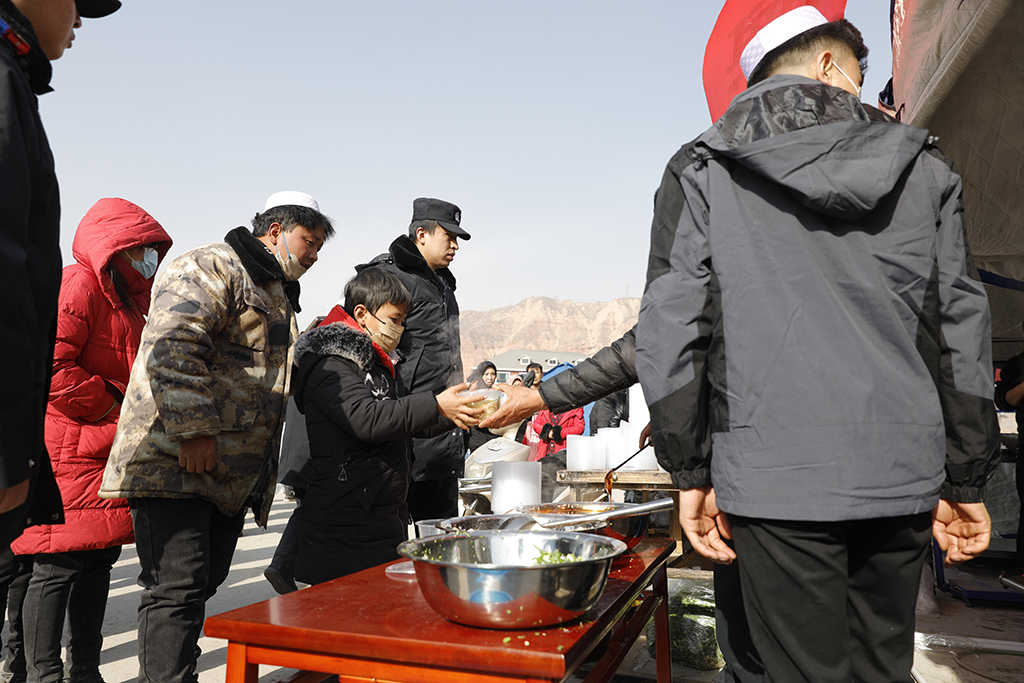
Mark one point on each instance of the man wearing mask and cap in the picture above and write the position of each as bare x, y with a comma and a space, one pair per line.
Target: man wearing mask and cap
814, 347
32, 34
200, 428
430, 348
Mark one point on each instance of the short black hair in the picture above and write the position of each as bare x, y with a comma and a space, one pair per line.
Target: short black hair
428, 225
290, 215
796, 50
373, 287
535, 365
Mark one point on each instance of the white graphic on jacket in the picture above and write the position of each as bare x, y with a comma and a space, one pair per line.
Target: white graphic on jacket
378, 386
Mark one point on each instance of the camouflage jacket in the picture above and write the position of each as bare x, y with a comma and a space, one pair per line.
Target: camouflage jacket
214, 361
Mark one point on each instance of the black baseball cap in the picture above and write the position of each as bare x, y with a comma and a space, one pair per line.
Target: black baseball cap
445, 213
94, 9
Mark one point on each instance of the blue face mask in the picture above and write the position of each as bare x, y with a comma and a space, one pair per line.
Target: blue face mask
147, 266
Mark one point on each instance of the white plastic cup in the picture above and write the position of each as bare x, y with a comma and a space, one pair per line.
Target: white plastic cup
646, 461
428, 527
630, 432
639, 413
513, 484
612, 438
584, 453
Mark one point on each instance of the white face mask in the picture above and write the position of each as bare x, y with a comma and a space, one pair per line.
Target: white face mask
290, 266
147, 266
855, 86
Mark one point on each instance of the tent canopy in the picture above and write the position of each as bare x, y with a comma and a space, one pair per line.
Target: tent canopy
958, 70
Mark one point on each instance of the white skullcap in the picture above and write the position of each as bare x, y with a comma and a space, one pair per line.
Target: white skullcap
775, 33
291, 198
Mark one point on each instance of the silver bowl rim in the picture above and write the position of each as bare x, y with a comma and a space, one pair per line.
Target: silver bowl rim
541, 508
591, 527
617, 548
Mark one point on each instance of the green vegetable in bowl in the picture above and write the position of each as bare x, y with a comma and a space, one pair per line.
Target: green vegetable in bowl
555, 557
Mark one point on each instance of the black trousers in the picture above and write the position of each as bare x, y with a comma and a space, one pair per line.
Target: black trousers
832, 602
185, 547
15, 572
74, 583
742, 663
288, 546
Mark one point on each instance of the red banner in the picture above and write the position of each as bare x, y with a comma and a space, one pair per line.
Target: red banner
738, 22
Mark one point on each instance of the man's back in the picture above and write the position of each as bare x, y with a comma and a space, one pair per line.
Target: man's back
817, 251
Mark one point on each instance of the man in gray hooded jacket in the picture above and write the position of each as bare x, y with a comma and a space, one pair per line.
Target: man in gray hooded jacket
817, 358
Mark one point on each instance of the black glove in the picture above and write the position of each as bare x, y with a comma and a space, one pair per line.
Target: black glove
545, 433
556, 433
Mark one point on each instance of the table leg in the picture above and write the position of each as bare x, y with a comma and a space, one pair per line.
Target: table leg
662, 643
675, 530
239, 670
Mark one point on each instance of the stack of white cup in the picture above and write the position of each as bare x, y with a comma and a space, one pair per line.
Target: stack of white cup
513, 484
584, 453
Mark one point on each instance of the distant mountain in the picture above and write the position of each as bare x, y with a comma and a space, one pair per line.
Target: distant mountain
547, 324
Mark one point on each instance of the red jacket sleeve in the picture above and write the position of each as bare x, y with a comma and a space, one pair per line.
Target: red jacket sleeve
74, 391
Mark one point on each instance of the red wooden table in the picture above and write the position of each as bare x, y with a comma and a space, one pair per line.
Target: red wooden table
370, 626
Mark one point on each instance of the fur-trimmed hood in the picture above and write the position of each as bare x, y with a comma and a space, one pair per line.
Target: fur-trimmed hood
336, 339
333, 339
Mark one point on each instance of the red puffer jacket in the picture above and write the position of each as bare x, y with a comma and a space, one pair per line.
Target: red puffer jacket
545, 442
97, 339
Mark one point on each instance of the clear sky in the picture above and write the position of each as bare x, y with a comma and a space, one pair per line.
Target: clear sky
548, 122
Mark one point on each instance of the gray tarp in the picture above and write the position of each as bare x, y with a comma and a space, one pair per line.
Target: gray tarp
958, 70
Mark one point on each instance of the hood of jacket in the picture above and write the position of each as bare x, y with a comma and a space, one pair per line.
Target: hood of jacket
343, 339
404, 254
109, 227
817, 141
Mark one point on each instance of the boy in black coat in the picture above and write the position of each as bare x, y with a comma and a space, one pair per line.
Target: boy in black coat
359, 421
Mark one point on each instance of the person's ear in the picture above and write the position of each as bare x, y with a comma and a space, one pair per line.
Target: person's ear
823, 68
274, 232
360, 314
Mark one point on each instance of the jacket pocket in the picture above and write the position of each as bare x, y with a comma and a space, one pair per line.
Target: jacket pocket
250, 330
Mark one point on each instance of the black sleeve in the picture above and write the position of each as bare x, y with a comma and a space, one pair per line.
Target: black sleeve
336, 387
1011, 376
611, 369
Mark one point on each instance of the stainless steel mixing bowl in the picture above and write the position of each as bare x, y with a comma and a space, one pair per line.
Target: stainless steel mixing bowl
512, 523
630, 530
492, 579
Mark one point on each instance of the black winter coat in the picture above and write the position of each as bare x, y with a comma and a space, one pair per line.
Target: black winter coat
358, 421
431, 351
30, 274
